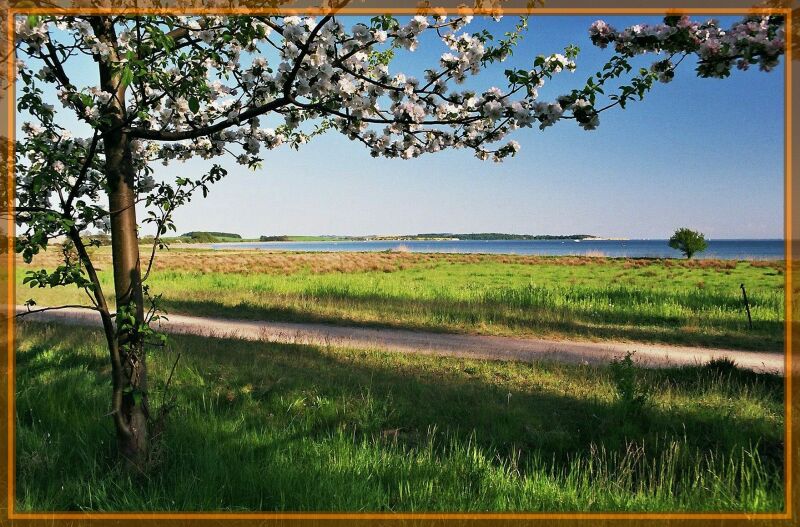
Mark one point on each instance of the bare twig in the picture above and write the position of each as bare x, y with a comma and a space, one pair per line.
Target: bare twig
52, 308
165, 405
172, 371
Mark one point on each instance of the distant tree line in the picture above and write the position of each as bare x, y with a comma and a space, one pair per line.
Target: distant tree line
210, 234
502, 236
430, 236
188, 237
218, 237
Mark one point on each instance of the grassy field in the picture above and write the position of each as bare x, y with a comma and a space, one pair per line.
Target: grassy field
649, 300
283, 427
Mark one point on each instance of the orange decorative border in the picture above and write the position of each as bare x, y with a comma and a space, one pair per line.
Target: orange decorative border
787, 517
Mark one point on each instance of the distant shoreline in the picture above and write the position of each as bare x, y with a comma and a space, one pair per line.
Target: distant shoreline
440, 236
745, 250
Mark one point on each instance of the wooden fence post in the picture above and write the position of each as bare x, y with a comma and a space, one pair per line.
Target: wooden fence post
746, 307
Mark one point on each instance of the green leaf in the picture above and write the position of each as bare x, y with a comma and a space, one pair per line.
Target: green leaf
194, 104
127, 75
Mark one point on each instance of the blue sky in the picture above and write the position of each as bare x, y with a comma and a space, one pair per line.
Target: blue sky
702, 153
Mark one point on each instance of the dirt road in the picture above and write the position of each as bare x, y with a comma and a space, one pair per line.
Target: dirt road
406, 341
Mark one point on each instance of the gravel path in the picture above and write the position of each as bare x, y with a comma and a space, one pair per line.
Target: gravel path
446, 344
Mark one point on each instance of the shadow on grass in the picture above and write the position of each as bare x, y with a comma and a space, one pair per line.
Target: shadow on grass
268, 426
767, 335
486, 397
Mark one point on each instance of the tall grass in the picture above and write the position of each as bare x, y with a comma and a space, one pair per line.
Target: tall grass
284, 427
594, 298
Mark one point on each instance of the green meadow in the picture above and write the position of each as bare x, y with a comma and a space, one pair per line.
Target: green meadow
646, 300
258, 426
282, 427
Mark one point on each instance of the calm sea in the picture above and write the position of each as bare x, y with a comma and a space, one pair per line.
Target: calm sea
723, 249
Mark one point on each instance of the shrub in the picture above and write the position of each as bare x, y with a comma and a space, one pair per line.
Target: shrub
96, 239
722, 366
632, 396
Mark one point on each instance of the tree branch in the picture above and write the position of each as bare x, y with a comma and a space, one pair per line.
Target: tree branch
160, 135
108, 328
73, 193
43, 309
298, 63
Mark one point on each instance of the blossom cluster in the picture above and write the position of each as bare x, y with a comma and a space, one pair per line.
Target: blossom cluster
208, 86
51, 160
757, 40
321, 70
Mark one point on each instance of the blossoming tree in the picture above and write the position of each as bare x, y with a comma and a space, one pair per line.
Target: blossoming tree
171, 88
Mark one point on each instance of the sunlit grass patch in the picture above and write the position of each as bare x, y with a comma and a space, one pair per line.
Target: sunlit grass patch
694, 302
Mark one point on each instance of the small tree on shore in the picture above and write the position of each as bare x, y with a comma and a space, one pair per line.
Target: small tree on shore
688, 242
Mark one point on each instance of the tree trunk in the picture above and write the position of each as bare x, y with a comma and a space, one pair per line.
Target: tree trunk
128, 290
130, 381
